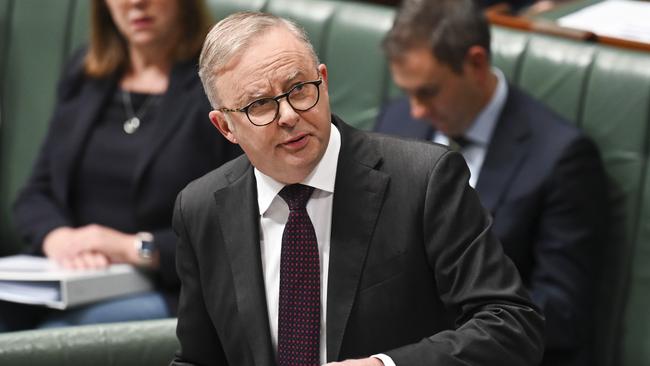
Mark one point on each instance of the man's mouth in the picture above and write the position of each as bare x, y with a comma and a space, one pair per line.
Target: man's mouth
296, 142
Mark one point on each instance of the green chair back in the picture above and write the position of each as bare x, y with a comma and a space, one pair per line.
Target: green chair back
222, 8
358, 70
36, 48
314, 16
555, 71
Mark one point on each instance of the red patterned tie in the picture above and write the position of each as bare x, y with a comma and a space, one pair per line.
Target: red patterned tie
299, 314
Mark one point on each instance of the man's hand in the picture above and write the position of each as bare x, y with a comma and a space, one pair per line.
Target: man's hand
370, 361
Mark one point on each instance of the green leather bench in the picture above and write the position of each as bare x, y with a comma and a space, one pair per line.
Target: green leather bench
142, 343
604, 90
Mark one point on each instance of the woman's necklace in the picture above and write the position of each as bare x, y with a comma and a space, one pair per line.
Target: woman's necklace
132, 123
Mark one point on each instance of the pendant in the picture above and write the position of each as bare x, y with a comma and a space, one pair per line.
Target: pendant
131, 125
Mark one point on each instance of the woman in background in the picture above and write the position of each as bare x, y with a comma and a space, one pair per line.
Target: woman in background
129, 131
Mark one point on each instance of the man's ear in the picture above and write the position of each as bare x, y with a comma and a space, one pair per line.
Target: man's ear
322, 70
219, 121
477, 65
477, 58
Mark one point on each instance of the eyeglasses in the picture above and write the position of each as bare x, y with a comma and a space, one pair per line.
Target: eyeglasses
302, 97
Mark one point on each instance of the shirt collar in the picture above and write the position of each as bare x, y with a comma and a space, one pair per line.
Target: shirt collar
322, 177
480, 131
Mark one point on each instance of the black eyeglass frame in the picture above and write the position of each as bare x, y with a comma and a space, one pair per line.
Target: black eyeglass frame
276, 99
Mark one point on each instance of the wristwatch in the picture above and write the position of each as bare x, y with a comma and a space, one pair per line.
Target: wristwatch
145, 245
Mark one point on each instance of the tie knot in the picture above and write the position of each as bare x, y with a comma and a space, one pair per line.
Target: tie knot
296, 196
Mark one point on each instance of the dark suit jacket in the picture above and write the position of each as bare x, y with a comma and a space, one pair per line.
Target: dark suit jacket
185, 148
412, 257
544, 183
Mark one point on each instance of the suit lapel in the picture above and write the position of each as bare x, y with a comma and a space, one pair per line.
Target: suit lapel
93, 97
240, 228
507, 150
169, 115
358, 197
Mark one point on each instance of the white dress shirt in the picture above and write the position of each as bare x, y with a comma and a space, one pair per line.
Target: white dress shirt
274, 213
480, 131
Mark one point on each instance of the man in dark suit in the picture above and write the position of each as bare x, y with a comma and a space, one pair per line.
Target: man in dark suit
324, 243
541, 178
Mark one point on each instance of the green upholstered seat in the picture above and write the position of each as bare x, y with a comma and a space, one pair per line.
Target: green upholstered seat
6, 232
150, 343
617, 115
555, 71
36, 47
79, 24
222, 8
358, 77
4, 28
508, 50
314, 16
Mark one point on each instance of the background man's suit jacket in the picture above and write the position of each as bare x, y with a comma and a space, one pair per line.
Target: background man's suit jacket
412, 256
544, 183
184, 148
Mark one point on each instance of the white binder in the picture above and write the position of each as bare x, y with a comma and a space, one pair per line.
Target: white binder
39, 281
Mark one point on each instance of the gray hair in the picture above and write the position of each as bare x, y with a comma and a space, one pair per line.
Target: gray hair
232, 36
448, 27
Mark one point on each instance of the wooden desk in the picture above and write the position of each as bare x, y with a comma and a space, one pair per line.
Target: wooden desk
542, 19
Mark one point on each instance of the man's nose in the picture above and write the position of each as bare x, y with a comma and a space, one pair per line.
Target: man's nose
287, 116
419, 110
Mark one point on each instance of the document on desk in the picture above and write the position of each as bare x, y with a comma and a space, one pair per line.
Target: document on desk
39, 281
626, 19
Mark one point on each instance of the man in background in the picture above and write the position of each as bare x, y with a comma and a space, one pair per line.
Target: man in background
540, 177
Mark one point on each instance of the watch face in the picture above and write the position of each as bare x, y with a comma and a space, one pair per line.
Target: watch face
146, 249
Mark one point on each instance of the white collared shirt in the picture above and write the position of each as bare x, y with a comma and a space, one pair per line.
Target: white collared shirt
480, 131
274, 213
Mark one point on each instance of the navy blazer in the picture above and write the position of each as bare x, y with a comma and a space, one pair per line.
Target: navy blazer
185, 147
415, 271
545, 185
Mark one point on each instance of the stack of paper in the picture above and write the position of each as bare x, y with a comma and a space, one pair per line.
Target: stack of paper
36, 280
626, 19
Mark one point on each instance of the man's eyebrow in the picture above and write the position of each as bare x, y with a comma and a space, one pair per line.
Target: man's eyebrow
250, 94
249, 97
291, 77
241, 101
